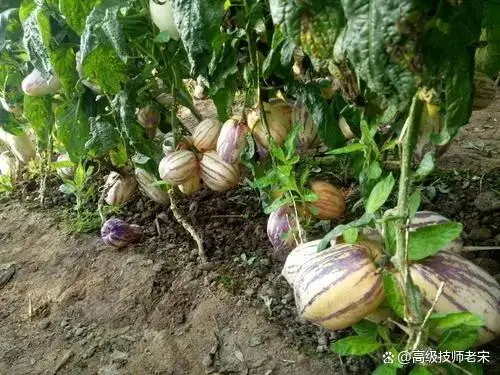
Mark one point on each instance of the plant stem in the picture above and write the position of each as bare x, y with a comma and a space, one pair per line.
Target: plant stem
252, 50
188, 227
400, 260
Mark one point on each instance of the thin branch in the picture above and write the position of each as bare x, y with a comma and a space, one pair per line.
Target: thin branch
479, 248
427, 316
188, 227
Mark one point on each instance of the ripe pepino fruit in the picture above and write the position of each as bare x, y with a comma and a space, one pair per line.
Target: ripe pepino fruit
330, 203
308, 134
338, 287
178, 167
232, 140
467, 288
120, 188
192, 185
217, 174
279, 121
205, 135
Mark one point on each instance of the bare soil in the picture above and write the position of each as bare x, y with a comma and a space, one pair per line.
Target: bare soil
75, 306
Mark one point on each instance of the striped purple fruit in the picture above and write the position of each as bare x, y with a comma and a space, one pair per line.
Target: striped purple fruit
467, 287
178, 167
308, 134
216, 173
118, 233
281, 231
232, 140
338, 287
192, 185
120, 189
205, 135
297, 258
427, 218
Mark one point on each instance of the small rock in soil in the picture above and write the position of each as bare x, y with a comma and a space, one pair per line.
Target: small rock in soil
79, 331
108, 370
7, 270
119, 357
44, 324
90, 352
487, 201
207, 361
249, 292
479, 234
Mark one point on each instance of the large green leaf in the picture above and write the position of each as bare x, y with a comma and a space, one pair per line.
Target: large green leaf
64, 63
103, 68
104, 138
36, 39
380, 193
38, 111
375, 44
355, 345
5, 21
323, 116
198, 22
427, 241
393, 293
73, 129
102, 28
76, 12
447, 55
134, 132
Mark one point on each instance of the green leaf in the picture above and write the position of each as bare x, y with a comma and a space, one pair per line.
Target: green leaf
63, 61
414, 202
328, 127
37, 38
353, 147
427, 241
25, 9
459, 338
198, 24
453, 320
393, 294
366, 328
420, 370
385, 369
103, 67
426, 166
5, 18
379, 194
355, 345
310, 196
73, 129
79, 178
76, 12
377, 47
374, 171
269, 179
340, 229
103, 29
38, 111
162, 37
350, 235
224, 99
291, 141
104, 138
135, 132
280, 202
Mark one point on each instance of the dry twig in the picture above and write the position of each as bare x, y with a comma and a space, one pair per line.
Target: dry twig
188, 227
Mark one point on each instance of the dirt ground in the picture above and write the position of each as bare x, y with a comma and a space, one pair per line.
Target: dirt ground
71, 305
